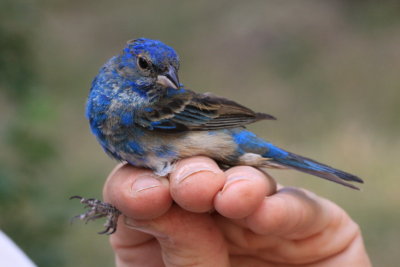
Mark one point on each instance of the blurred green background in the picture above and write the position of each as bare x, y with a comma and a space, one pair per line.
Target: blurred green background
329, 70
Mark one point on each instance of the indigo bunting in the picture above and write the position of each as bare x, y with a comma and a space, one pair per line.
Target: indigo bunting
141, 114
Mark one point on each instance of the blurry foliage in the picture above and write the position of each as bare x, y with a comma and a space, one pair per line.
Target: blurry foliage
291, 56
26, 150
15, 70
370, 16
327, 70
16, 62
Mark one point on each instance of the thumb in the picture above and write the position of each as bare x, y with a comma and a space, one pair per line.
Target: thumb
185, 238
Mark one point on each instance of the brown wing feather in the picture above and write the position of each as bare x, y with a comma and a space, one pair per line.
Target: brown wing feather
191, 111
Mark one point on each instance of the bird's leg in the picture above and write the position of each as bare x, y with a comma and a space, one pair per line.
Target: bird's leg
164, 168
97, 209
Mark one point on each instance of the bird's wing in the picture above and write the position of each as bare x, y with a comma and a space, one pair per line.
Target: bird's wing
184, 110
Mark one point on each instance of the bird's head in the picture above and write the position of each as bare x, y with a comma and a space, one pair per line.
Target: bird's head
149, 63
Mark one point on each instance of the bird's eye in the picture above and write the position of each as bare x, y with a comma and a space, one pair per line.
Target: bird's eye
143, 63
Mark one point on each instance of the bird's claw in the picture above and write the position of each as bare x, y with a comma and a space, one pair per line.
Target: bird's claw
97, 209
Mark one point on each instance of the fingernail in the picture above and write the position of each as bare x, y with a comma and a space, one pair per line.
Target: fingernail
190, 169
145, 182
233, 180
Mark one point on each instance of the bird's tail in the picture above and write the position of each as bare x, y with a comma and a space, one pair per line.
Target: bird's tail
282, 158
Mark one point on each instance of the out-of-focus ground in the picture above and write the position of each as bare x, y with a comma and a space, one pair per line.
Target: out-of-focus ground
329, 70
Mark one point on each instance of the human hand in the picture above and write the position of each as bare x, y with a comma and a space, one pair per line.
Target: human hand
203, 216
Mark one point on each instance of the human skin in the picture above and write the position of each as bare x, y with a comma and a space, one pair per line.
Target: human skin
203, 216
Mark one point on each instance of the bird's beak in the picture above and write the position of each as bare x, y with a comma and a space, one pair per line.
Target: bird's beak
169, 78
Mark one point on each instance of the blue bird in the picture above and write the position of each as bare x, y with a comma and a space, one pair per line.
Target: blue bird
141, 114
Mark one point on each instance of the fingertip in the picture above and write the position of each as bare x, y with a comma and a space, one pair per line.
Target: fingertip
243, 192
137, 193
195, 182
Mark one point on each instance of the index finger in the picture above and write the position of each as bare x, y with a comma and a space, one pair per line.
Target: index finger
137, 193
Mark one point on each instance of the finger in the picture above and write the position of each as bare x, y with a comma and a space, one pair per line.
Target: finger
195, 182
292, 213
313, 227
185, 238
137, 193
243, 192
132, 190
134, 248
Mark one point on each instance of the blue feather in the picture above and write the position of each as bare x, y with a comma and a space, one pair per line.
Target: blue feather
300, 163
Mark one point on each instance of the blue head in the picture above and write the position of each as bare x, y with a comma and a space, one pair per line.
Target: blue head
142, 72
149, 63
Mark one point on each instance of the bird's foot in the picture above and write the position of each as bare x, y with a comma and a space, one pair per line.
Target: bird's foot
97, 209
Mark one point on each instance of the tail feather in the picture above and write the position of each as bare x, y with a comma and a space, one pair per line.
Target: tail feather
303, 164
